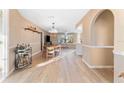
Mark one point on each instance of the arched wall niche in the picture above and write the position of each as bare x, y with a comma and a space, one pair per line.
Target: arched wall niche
98, 53
102, 29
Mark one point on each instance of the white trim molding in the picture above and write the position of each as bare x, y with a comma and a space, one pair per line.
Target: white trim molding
5, 47
36, 53
10, 72
93, 66
92, 46
7, 75
118, 52
14, 46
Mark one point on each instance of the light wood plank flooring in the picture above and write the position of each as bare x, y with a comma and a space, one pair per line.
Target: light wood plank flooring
67, 68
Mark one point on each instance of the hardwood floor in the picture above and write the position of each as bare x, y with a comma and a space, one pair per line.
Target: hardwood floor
67, 68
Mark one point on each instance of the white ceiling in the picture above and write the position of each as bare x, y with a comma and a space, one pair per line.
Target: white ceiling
65, 20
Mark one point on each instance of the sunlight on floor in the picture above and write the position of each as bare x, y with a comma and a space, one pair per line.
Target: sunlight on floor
67, 68
64, 53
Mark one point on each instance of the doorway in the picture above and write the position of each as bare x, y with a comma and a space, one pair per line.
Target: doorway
4, 43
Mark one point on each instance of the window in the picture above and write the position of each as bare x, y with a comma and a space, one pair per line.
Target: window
65, 38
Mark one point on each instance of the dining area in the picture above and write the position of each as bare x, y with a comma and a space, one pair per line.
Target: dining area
52, 51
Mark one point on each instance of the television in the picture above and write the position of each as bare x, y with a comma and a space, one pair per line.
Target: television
47, 38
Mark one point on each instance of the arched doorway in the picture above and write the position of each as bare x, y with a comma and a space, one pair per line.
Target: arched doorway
102, 38
103, 29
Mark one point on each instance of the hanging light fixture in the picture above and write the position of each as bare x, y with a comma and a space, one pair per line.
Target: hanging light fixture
53, 29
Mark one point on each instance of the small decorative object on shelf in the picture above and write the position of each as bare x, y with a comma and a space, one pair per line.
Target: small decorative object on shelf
23, 55
32, 28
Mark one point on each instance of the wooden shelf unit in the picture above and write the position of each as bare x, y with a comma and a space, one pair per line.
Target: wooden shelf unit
33, 30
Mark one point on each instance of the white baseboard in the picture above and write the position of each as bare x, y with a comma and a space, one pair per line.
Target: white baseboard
91, 66
7, 75
83, 60
36, 53
10, 72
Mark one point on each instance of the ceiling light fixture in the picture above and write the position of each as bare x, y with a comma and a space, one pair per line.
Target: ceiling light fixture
53, 29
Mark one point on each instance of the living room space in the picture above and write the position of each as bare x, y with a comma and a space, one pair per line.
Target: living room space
48, 46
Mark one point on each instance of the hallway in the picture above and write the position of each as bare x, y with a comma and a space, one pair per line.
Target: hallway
65, 69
